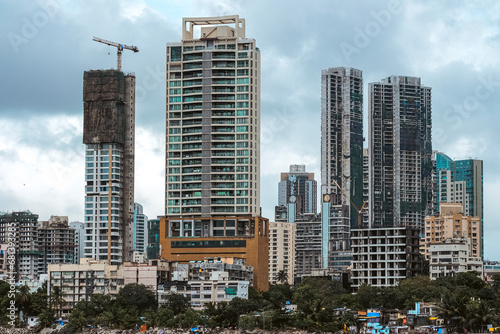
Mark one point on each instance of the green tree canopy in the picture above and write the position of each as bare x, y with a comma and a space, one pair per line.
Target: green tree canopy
138, 296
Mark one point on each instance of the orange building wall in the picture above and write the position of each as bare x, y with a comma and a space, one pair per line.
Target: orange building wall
256, 252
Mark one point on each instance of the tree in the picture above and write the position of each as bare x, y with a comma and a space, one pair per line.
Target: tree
4, 302
366, 297
177, 303
479, 315
57, 299
496, 282
189, 318
39, 299
46, 317
316, 300
277, 296
138, 296
416, 289
282, 276
165, 317
24, 300
77, 320
453, 309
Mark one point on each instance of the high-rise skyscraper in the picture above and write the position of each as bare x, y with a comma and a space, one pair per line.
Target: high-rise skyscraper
298, 186
342, 139
341, 162
212, 199
109, 132
400, 150
213, 120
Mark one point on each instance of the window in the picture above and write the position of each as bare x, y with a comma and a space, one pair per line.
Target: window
175, 53
175, 83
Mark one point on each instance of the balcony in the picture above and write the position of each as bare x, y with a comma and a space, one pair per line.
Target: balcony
191, 138
223, 81
191, 57
220, 113
191, 114
191, 130
223, 73
197, 74
192, 83
223, 55
222, 129
217, 105
222, 137
223, 98
223, 145
191, 106
223, 90
223, 64
223, 121
191, 146
191, 91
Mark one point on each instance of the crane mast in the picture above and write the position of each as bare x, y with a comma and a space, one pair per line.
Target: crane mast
119, 49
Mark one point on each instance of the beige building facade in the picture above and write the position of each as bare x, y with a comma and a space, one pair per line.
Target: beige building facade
81, 281
452, 223
451, 257
281, 250
213, 120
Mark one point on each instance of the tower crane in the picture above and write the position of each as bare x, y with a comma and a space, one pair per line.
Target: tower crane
353, 205
119, 48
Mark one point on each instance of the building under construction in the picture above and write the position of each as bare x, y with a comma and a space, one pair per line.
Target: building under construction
400, 149
342, 139
341, 162
109, 132
56, 242
22, 228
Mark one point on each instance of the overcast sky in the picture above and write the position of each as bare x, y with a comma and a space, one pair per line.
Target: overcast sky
46, 45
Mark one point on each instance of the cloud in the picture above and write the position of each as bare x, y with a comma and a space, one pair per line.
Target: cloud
452, 46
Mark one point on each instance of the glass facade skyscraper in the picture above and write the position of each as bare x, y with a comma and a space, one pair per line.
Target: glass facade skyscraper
460, 181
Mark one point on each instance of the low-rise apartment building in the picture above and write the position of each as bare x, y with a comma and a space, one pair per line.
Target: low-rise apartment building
385, 256
451, 257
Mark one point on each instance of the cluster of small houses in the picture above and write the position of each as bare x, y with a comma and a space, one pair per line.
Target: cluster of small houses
422, 318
